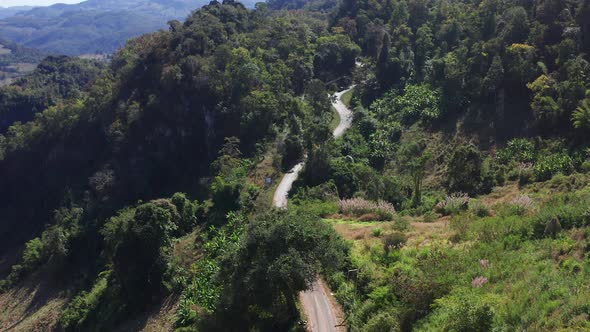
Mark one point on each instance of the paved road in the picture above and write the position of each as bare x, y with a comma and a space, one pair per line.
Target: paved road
282, 192
320, 312
344, 112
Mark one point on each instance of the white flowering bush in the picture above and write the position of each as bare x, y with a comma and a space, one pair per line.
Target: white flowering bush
358, 207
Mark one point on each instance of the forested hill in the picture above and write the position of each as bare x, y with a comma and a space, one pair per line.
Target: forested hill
55, 79
151, 126
135, 195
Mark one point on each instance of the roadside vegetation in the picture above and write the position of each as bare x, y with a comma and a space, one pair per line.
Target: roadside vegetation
458, 200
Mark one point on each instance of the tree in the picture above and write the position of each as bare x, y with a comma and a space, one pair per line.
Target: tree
581, 116
495, 75
141, 243
279, 256
464, 170
413, 159
424, 46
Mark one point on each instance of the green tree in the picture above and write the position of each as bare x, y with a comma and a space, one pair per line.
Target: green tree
414, 159
581, 116
279, 256
464, 170
141, 250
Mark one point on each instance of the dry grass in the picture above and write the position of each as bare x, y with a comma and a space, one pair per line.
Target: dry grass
501, 195
34, 305
420, 233
159, 319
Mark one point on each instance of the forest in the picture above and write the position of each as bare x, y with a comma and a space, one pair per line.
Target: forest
135, 195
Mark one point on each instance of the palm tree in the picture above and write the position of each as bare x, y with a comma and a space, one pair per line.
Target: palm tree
581, 116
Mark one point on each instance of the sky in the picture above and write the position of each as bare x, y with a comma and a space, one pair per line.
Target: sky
10, 3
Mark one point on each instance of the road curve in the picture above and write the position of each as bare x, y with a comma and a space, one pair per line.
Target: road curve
281, 195
344, 112
320, 312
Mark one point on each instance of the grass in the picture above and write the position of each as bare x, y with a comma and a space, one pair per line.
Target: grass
335, 119
347, 98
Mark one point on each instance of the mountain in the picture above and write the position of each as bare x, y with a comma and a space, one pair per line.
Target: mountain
11, 11
94, 26
457, 200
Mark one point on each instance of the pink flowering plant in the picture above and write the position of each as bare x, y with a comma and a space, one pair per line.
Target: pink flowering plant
453, 204
359, 206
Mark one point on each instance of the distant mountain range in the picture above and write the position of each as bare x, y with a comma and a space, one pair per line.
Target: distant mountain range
11, 11
93, 26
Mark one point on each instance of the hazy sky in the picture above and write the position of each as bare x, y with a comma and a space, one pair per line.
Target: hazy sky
10, 3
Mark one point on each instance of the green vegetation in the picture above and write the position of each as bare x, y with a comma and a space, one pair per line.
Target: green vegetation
55, 80
458, 200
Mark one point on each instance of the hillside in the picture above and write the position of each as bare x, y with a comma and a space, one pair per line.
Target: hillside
456, 199
16, 60
56, 79
91, 27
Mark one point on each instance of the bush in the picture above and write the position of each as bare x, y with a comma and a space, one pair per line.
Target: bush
317, 207
376, 232
479, 209
430, 216
526, 174
521, 205
552, 164
394, 240
382, 322
465, 310
465, 170
520, 150
358, 207
569, 210
453, 204
81, 307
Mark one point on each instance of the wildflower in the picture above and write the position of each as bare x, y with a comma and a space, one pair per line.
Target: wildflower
479, 282
484, 263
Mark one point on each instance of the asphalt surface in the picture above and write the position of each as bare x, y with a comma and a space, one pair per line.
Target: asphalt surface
320, 312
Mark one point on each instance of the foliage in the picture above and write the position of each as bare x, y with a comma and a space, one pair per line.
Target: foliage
465, 170
581, 116
358, 207
419, 102
414, 159
279, 256
549, 165
453, 204
56, 79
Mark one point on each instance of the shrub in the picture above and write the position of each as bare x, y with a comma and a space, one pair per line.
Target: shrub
479, 209
465, 169
552, 164
401, 224
430, 216
553, 227
358, 207
453, 204
463, 311
521, 205
81, 307
376, 232
520, 150
382, 322
317, 207
569, 210
394, 240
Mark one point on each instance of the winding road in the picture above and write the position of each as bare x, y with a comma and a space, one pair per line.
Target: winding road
320, 311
